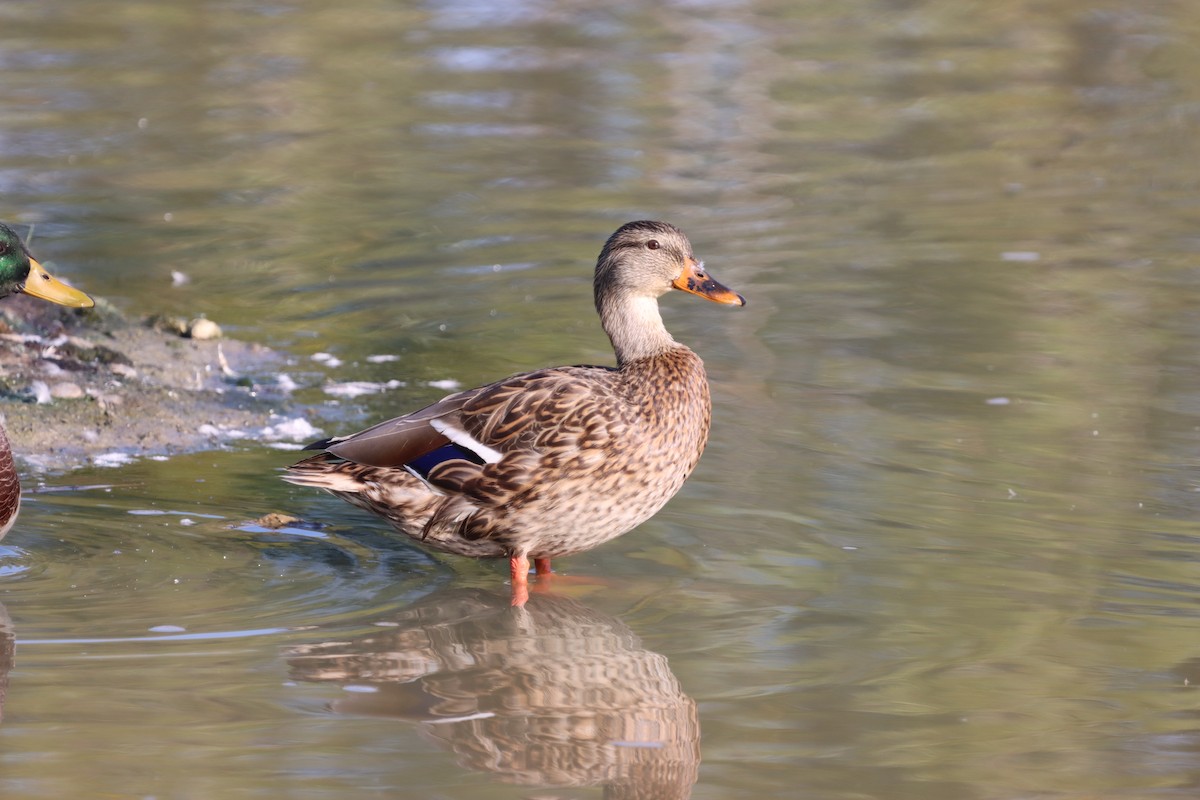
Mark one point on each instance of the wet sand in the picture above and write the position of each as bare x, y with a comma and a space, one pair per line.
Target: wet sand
83, 386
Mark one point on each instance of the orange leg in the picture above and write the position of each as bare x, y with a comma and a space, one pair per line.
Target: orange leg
519, 568
542, 565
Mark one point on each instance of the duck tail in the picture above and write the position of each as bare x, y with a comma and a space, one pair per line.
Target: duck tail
325, 471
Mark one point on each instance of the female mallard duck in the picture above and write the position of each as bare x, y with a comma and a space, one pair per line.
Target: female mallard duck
551, 462
19, 272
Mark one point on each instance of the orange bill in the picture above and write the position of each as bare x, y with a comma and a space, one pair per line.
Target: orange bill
695, 280
42, 284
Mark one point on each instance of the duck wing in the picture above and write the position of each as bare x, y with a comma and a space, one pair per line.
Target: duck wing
547, 413
397, 441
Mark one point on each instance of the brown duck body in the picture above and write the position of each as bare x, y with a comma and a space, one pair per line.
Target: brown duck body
551, 462
10, 486
636, 440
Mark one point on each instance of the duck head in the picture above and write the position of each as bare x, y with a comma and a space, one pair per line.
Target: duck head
648, 258
20, 272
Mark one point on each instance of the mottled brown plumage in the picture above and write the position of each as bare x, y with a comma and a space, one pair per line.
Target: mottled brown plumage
555, 461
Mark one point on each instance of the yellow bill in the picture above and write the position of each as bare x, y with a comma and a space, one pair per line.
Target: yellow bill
41, 283
695, 280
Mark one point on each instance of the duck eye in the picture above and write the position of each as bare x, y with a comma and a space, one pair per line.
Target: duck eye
4, 248
652, 244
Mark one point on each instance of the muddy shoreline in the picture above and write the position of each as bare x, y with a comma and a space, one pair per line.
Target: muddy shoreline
83, 387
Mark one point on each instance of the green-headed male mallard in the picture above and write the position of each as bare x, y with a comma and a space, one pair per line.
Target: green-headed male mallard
19, 272
556, 461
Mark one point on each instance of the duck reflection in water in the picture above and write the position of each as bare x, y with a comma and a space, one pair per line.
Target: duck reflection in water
554, 694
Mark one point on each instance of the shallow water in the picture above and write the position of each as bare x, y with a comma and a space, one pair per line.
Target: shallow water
942, 544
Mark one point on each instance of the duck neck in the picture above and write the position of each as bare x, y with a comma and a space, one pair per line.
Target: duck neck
634, 326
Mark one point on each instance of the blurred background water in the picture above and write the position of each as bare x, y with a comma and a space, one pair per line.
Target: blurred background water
942, 545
